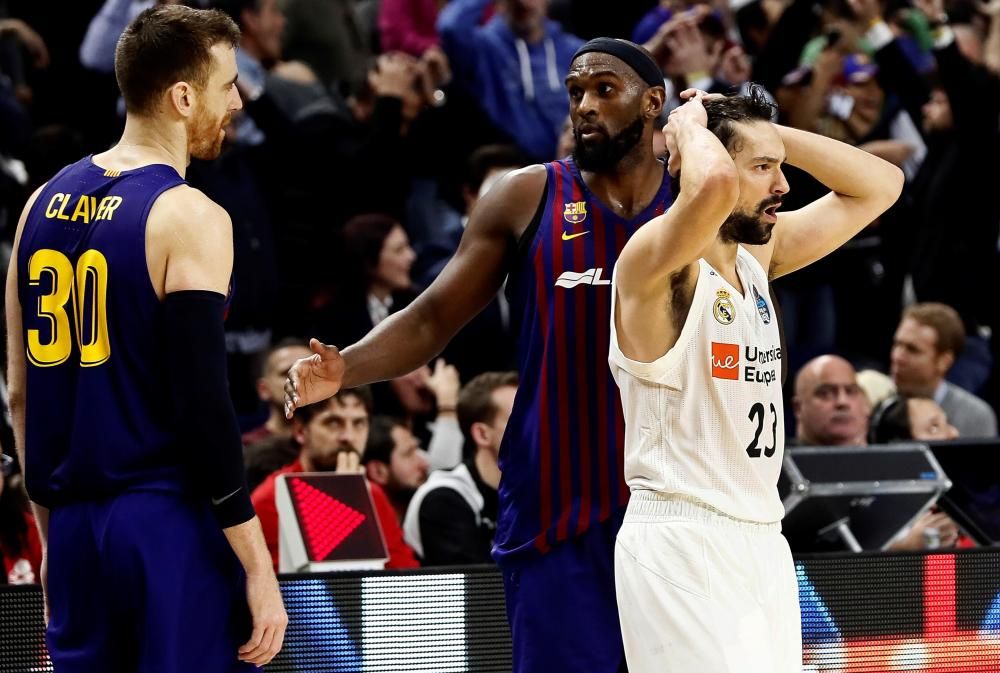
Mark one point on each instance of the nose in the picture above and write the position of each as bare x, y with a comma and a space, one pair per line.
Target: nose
780, 186
351, 437
587, 107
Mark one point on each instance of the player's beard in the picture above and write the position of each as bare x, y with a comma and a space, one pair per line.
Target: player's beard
749, 228
206, 135
602, 156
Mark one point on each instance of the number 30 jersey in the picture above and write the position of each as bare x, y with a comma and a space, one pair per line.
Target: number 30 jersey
705, 420
98, 416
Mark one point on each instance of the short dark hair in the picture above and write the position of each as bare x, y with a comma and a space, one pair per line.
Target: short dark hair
490, 157
168, 44
945, 322
475, 400
380, 442
362, 393
725, 113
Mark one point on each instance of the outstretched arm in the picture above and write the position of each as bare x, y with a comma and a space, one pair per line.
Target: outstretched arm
862, 188
412, 337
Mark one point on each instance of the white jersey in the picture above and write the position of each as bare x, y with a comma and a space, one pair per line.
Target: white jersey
705, 421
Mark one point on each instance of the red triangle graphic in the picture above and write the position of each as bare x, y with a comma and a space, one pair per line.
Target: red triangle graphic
326, 522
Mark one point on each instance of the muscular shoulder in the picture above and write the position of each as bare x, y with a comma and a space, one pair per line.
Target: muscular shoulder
186, 210
189, 242
513, 200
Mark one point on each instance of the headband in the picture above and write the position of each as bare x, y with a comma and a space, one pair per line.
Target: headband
630, 54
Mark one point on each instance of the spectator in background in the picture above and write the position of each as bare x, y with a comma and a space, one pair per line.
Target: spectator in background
485, 343
928, 340
437, 234
513, 65
830, 407
950, 221
409, 25
20, 546
694, 51
394, 460
375, 280
291, 84
333, 37
901, 418
270, 389
333, 434
452, 518
832, 410
97, 51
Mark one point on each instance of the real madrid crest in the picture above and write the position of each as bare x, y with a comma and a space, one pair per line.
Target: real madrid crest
762, 308
575, 212
723, 309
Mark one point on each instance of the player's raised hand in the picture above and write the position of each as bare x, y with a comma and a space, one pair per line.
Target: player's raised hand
269, 619
314, 378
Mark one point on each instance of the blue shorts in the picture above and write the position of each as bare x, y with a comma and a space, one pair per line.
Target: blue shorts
562, 609
144, 583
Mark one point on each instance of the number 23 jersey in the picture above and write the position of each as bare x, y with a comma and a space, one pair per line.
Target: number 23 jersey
705, 420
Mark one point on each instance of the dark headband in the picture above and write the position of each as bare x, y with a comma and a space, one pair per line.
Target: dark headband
630, 54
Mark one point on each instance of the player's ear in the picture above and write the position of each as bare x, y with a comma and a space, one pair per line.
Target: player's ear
182, 97
655, 98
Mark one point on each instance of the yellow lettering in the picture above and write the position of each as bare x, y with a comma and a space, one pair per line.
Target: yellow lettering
112, 205
61, 215
51, 211
82, 210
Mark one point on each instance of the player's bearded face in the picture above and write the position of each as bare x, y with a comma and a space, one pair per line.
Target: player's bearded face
748, 226
205, 131
600, 152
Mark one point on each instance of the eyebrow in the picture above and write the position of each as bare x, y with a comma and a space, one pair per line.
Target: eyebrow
596, 73
766, 159
233, 80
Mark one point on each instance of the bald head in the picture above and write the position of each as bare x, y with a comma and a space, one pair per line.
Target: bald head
830, 407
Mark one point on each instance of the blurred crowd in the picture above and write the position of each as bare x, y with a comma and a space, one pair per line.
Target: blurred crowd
370, 128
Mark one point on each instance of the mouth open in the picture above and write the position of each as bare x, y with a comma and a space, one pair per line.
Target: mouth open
772, 211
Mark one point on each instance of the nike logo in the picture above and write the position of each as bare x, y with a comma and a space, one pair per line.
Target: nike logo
570, 237
221, 500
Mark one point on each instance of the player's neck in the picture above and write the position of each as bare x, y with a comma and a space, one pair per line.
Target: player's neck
146, 142
722, 256
631, 186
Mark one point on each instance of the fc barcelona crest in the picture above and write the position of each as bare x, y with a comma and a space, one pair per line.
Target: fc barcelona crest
575, 212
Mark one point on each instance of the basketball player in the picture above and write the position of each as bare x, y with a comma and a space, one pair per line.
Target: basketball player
557, 230
115, 300
705, 579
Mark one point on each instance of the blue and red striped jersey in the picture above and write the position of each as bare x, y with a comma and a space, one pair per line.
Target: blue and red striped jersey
563, 451
99, 421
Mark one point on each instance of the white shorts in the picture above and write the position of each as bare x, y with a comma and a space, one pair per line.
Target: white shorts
700, 592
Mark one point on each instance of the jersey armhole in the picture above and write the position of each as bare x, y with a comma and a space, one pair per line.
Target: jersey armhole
147, 208
523, 244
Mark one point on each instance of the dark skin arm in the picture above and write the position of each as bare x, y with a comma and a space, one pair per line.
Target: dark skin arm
412, 337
